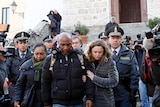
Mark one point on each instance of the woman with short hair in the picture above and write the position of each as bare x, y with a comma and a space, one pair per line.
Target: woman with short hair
105, 76
30, 73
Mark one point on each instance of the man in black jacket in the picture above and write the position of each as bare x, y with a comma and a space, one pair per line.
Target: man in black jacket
3, 72
111, 24
3, 80
62, 83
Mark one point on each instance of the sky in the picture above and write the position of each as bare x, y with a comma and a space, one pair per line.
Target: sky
36, 11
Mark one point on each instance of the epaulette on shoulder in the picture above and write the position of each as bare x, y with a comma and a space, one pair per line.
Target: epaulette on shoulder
53, 59
128, 49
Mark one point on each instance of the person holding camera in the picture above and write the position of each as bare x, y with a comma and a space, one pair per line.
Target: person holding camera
151, 43
53, 22
127, 67
3, 73
4, 82
140, 53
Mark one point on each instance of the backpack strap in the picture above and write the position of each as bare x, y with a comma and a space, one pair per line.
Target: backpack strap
53, 59
54, 56
81, 59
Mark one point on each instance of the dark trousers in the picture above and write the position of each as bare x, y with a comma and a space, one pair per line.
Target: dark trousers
156, 97
124, 103
58, 27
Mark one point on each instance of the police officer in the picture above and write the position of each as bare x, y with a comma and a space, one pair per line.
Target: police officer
104, 38
127, 67
48, 42
22, 53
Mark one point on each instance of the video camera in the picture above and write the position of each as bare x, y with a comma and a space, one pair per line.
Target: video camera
154, 52
8, 52
138, 42
152, 43
127, 39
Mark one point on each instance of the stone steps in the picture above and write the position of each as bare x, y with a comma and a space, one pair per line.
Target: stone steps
130, 29
134, 29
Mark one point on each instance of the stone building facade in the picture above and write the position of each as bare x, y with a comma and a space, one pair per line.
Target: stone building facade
130, 14
96, 13
89, 12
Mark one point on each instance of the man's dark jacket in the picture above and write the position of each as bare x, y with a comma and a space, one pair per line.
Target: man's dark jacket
3, 73
64, 85
109, 25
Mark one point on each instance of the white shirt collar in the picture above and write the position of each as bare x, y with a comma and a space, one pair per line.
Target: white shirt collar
117, 49
20, 53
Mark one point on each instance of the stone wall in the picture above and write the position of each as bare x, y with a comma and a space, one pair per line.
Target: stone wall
96, 13
89, 12
153, 8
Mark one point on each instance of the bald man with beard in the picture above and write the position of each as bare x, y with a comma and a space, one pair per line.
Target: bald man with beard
63, 85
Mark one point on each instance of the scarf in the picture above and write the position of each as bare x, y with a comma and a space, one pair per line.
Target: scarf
37, 66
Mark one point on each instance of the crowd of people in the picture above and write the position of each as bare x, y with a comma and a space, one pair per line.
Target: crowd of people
107, 73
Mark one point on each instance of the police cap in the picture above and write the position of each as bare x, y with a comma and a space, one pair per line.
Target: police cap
115, 31
48, 38
103, 36
22, 36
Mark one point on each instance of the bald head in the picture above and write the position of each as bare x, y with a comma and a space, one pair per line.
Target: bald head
64, 35
65, 42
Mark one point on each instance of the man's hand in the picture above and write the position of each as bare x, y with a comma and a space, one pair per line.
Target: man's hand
47, 106
89, 103
16, 104
6, 82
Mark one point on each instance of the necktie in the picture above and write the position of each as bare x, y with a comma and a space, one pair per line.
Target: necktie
22, 56
114, 54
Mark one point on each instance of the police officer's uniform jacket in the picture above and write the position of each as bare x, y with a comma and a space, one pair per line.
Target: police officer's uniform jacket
128, 73
13, 64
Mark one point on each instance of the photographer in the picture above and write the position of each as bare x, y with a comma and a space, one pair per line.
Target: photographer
3, 79
139, 39
142, 57
152, 43
128, 42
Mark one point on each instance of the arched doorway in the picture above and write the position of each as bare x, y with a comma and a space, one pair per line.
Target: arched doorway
129, 11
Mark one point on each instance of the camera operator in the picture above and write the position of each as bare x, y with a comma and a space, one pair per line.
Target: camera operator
152, 43
3, 78
144, 89
139, 39
128, 42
